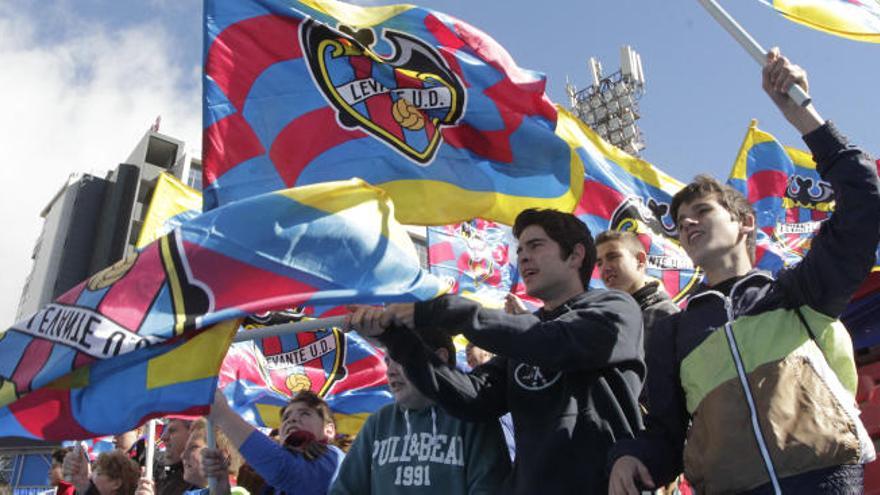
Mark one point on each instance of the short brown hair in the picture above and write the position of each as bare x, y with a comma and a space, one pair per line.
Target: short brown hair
729, 198
116, 465
566, 230
629, 239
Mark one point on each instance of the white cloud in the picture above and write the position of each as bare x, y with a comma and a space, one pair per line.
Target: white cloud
79, 103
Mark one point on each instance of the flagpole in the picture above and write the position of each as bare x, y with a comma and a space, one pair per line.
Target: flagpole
211, 442
289, 328
151, 449
754, 49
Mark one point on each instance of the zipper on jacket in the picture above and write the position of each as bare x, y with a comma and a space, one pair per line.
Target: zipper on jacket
747, 390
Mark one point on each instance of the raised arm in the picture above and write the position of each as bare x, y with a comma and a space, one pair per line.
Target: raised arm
843, 251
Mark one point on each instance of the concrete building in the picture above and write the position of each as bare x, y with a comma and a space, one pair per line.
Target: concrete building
92, 222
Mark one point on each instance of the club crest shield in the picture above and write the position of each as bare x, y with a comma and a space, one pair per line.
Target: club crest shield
305, 361
807, 202
403, 99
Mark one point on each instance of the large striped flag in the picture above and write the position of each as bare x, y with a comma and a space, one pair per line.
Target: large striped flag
854, 19
144, 324
411, 100
622, 192
791, 201
260, 377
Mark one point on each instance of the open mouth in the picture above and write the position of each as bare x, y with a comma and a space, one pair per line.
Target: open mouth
528, 272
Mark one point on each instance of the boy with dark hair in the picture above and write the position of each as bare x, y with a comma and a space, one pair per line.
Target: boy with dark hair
762, 369
412, 446
622, 261
570, 374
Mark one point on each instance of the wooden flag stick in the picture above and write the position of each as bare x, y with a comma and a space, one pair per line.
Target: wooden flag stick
754, 49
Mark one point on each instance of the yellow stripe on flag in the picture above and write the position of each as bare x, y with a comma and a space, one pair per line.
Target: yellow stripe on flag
355, 16
170, 198
196, 359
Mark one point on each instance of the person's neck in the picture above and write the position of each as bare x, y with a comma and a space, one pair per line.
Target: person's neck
555, 301
727, 268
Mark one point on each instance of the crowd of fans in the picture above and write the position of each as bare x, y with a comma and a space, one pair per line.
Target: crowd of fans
566, 383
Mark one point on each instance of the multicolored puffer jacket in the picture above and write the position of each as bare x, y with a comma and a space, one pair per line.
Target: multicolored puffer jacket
755, 381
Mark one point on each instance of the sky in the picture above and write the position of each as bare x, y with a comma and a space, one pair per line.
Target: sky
84, 79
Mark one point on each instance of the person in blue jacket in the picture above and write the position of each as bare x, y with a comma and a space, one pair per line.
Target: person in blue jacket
304, 463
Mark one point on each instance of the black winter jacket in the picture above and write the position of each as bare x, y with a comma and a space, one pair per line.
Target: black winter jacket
570, 379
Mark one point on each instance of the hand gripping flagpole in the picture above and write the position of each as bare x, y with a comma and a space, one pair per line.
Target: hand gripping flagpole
745, 40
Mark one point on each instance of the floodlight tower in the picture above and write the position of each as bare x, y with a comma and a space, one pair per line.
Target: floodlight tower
610, 104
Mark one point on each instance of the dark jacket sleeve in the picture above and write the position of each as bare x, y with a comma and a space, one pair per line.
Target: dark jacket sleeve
592, 336
661, 444
476, 396
843, 251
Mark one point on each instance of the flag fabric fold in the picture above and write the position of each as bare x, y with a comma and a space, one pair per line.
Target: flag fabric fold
854, 19
411, 100
327, 244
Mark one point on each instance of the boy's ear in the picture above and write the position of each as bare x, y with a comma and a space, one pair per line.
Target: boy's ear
577, 255
747, 224
642, 259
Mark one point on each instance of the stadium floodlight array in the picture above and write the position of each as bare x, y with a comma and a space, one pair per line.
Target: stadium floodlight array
610, 105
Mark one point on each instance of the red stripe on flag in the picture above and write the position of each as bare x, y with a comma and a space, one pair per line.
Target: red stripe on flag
366, 372
304, 139
449, 43
440, 252
272, 346
82, 359
245, 49
767, 183
263, 290
46, 413
72, 295
226, 143
129, 299
525, 93
598, 199
671, 281
31, 363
